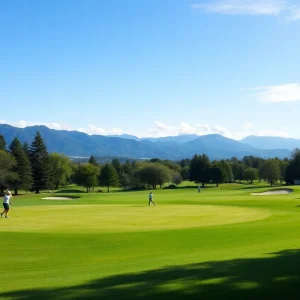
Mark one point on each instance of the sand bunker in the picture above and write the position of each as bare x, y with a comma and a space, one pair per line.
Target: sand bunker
274, 192
58, 198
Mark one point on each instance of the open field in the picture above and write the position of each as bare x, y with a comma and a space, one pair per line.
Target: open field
221, 243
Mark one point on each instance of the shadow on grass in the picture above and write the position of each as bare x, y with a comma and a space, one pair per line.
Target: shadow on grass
69, 191
273, 277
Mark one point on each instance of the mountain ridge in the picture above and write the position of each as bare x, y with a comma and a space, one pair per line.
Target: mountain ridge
75, 143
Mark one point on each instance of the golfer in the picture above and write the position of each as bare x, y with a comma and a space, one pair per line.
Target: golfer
151, 198
6, 203
199, 189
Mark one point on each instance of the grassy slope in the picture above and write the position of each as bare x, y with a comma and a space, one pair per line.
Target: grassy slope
232, 259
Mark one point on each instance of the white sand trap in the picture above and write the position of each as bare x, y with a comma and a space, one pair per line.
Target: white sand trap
274, 192
58, 198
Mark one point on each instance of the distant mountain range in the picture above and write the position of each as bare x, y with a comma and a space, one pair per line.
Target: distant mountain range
78, 144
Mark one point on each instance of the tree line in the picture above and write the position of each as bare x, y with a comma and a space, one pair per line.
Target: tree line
31, 167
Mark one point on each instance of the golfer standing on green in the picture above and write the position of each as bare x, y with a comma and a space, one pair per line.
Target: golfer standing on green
151, 198
6, 203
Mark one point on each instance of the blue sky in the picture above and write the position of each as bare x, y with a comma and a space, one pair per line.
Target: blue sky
152, 68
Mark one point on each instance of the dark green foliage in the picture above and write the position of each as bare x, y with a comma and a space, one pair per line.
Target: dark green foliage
26, 149
153, 174
176, 178
270, 170
226, 167
7, 174
109, 177
200, 169
86, 175
127, 168
250, 174
252, 161
61, 169
22, 167
293, 169
93, 160
125, 180
2, 143
185, 173
117, 165
218, 173
40, 163
238, 171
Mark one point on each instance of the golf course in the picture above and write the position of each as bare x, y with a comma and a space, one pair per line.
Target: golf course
226, 242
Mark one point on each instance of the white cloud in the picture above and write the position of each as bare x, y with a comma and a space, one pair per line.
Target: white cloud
243, 7
186, 128
276, 8
92, 129
248, 125
280, 133
279, 93
161, 126
160, 129
294, 13
222, 131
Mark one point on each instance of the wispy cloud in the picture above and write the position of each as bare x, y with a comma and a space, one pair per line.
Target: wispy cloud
294, 13
275, 8
279, 93
243, 7
160, 129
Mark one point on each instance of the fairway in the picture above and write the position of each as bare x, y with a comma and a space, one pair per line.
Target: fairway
222, 242
119, 218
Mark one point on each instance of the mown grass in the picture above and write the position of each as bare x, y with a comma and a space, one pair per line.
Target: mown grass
113, 246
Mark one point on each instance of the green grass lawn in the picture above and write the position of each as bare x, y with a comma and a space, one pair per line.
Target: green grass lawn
221, 243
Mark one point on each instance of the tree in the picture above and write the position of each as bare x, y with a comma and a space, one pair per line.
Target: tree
238, 171
218, 173
271, 170
250, 174
93, 160
40, 163
153, 174
125, 180
185, 173
7, 175
117, 165
87, 175
283, 167
2, 143
293, 167
226, 167
176, 178
109, 177
22, 167
127, 168
61, 169
199, 169
26, 149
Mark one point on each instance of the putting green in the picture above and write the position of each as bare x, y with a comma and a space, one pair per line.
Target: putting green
121, 218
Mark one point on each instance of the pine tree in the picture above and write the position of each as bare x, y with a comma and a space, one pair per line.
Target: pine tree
26, 149
117, 165
2, 143
22, 167
40, 163
109, 177
93, 160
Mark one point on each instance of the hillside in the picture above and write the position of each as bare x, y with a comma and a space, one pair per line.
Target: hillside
74, 143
